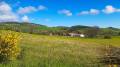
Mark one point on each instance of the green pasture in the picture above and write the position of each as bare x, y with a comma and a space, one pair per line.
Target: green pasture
60, 51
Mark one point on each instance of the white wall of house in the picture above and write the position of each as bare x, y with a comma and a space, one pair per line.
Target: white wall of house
82, 35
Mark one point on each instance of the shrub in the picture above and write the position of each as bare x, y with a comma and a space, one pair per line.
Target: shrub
112, 55
107, 37
8, 46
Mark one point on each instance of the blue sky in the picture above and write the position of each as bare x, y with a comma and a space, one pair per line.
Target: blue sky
103, 13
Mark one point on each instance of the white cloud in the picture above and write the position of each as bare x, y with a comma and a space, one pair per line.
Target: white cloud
25, 18
67, 12
83, 13
6, 13
94, 11
118, 10
64, 11
30, 9
47, 20
41, 7
110, 9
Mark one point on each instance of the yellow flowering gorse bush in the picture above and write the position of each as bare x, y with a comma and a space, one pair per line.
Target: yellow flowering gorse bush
113, 55
8, 46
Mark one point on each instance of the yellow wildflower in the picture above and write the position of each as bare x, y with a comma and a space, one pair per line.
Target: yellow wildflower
115, 65
110, 66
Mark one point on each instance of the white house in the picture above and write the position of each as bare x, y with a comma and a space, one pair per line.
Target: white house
76, 35
82, 35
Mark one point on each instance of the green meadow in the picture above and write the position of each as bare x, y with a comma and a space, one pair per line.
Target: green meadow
60, 51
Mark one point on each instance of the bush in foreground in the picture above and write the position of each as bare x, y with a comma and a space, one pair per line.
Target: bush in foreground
112, 56
107, 37
8, 46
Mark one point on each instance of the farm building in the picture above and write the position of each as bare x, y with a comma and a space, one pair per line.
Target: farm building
76, 35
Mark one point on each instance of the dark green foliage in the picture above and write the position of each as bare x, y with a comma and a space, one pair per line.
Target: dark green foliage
119, 33
78, 27
0, 28
116, 29
111, 32
107, 36
93, 32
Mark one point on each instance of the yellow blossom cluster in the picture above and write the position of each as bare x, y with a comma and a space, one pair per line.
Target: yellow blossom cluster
8, 46
110, 54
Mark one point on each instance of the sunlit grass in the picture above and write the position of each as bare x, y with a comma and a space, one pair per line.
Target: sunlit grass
60, 51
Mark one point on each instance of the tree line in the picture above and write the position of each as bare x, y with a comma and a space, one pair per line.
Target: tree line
89, 32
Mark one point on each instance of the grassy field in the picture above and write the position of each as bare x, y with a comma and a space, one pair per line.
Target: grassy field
60, 51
